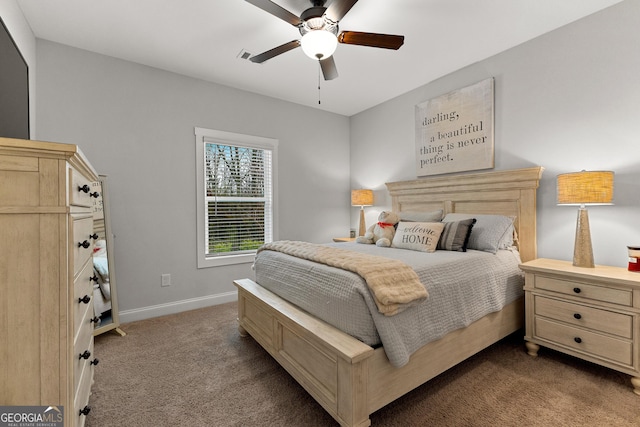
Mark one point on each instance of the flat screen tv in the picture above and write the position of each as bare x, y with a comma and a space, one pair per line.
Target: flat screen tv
14, 88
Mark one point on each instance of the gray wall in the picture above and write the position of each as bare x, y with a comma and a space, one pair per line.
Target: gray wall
136, 125
568, 100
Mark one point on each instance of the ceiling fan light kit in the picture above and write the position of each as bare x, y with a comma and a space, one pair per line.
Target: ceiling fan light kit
319, 44
318, 26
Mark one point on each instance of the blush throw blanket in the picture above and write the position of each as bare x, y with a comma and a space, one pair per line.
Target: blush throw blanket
394, 285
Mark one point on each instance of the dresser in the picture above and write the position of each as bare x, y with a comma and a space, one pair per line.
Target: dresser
590, 313
46, 277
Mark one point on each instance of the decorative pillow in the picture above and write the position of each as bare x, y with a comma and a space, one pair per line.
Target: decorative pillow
432, 216
418, 236
490, 232
455, 236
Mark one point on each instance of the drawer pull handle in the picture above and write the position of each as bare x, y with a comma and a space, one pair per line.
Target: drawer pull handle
577, 316
85, 299
85, 410
94, 362
94, 194
85, 188
94, 278
84, 244
94, 236
96, 319
578, 340
577, 290
85, 355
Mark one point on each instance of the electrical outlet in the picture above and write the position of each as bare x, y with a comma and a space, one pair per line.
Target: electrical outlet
166, 280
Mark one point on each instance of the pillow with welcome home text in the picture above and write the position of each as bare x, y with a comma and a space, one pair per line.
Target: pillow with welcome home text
418, 236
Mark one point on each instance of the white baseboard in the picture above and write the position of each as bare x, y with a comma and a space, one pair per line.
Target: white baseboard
127, 316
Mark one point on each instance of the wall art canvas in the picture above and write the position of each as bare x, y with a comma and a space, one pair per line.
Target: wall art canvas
454, 132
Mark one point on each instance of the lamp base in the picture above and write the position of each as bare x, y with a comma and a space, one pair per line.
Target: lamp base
582, 249
363, 226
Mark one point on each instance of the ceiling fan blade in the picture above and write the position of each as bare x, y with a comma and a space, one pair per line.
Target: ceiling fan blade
329, 70
339, 8
385, 41
260, 58
276, 10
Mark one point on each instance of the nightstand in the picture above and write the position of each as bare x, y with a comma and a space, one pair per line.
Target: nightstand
344, 239
590, 313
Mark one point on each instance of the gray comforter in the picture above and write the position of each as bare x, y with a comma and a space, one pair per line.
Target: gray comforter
462, 287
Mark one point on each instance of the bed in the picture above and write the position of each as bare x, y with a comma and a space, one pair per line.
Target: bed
351, 379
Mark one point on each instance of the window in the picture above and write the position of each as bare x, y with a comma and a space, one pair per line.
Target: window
236, 196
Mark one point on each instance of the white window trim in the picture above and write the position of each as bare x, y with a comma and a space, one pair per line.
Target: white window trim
209, 135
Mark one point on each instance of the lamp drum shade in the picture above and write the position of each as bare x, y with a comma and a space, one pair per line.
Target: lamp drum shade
585, 188
361, 197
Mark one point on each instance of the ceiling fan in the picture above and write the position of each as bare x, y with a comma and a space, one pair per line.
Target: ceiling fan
318, 26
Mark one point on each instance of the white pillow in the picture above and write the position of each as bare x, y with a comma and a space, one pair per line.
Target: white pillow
489, 233
418, 236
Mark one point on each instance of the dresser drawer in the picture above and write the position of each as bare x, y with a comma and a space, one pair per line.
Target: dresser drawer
582, 290
82, 393
82, 231
84, 343
588, 317
80, 189
83, 287
609, 348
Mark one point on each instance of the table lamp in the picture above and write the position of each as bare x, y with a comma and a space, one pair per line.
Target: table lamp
582, 189
362, 198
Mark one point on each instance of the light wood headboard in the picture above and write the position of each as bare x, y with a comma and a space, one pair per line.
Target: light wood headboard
510, 192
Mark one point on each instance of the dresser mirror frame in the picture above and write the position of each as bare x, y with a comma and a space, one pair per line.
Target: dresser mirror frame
103, 231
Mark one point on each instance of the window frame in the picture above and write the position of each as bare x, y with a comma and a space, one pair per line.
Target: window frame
203, 136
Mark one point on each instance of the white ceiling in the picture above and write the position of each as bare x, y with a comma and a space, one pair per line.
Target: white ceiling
204, 39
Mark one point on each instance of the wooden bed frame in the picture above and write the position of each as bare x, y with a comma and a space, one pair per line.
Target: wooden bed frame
350, 379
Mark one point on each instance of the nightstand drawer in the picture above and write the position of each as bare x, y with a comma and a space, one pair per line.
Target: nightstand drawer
582, 290
609, 348
588, 317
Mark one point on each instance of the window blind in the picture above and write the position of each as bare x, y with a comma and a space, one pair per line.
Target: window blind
239, 187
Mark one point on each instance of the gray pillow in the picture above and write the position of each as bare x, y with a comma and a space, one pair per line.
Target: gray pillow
417, 216
490, 232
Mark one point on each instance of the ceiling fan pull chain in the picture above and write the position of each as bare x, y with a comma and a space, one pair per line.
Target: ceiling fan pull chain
319, 72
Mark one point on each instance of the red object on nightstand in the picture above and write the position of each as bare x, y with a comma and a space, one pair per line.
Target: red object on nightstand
634, 258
